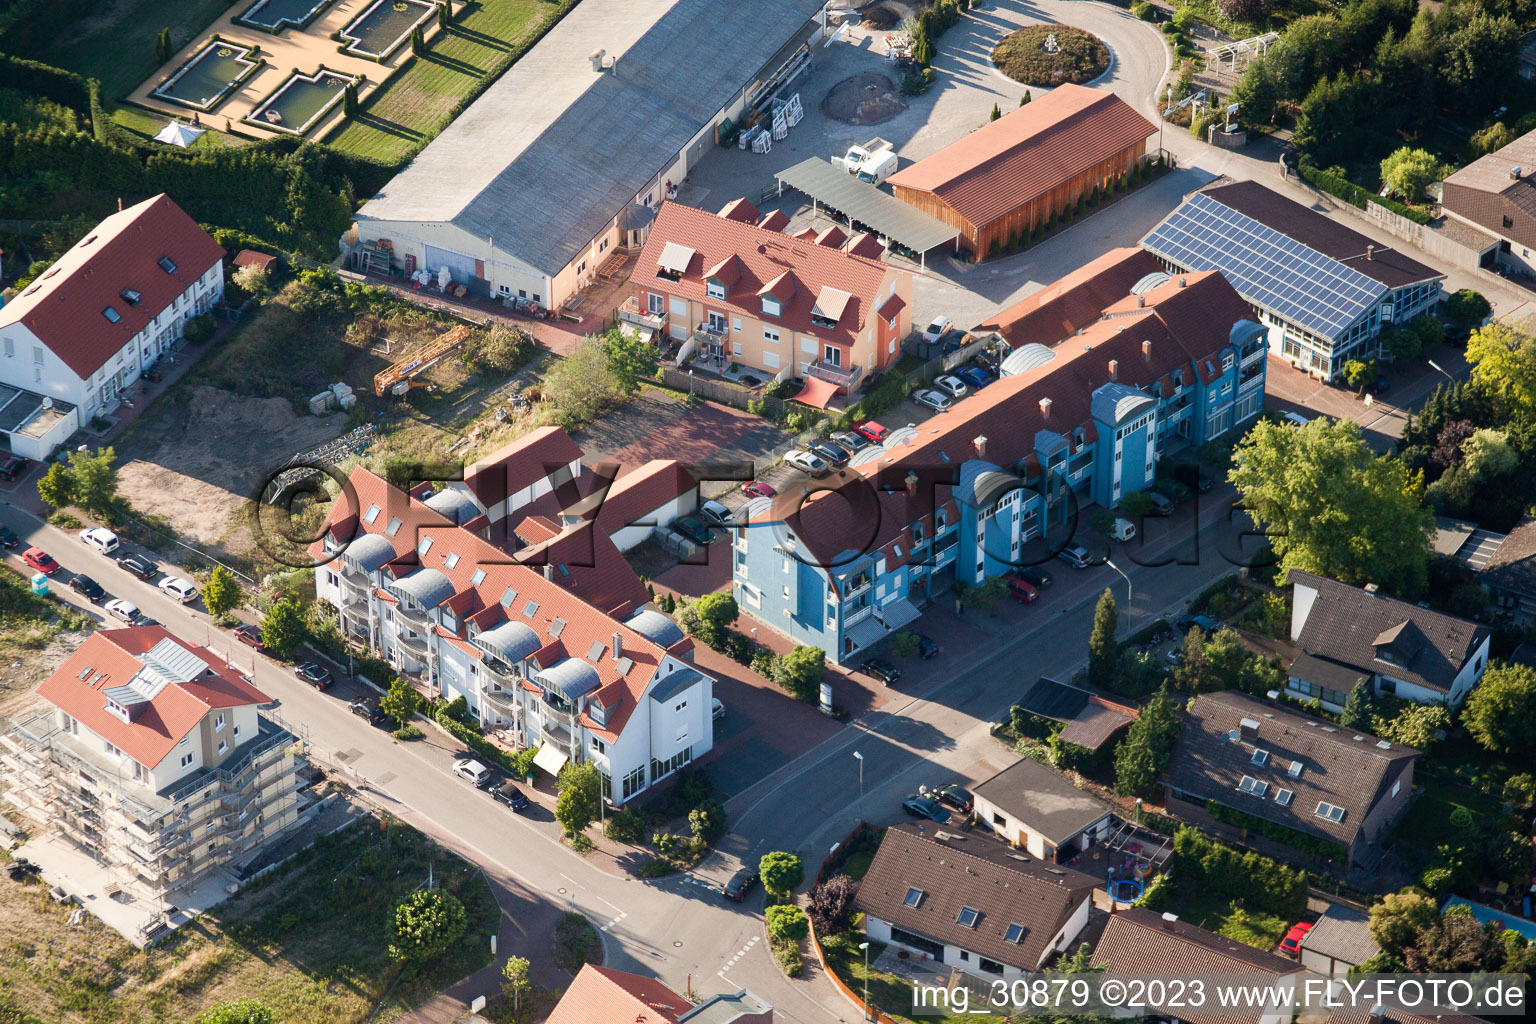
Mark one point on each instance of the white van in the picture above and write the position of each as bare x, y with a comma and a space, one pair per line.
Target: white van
1123, 529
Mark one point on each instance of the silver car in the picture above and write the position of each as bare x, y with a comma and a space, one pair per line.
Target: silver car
932, 399
806, 462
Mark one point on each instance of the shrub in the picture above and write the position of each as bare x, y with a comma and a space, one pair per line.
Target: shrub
906, 644
788, 959
1081, 56
654, 867
581, 844
786, 924
1204, 864
1144, 11
200, 328
408, 732
427, 922
624, 826
781, 872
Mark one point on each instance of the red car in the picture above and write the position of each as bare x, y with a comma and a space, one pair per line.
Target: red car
872, 430
1291, 944
1022, 590
250, 636
40, 560
757, 489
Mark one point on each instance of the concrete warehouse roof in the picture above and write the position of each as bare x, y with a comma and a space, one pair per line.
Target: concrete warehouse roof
553, 151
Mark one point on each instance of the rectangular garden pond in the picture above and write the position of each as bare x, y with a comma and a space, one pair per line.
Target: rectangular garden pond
385, 25
209, 75
274, 15
300, 102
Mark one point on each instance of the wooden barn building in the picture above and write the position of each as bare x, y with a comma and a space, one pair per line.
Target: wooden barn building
1013, 173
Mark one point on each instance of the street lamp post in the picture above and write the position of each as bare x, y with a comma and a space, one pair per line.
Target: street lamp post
690, 383
1436, 366
865, 947
860, 758
1129, 594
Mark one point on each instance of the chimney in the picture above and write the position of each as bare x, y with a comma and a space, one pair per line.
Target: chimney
1183, 281
618, 645
1168, 920
910, 480
1515, 172
597, 59
1141, 301
1372, 589
119, 204
549, 572
1370, 252
1114, 369
980, 441
1146, 350
1045, 408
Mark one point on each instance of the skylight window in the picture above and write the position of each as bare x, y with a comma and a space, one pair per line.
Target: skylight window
393, 527
451, 561
914, 897
167, 264
112, 315
1014, 934
424, 546
1283, 797
508, 597
968, 917
371, 514
130, 296
478, 578
1294, 771
1330, 811
530, 609
1252, 786
1260, 757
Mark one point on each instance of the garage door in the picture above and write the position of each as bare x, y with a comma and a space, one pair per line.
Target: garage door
460, 266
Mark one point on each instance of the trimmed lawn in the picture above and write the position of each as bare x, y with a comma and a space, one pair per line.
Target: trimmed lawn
412, 107
886, 991
1224, 917
117, 45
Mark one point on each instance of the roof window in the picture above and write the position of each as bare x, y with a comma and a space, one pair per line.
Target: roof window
451, 561
167, 264
1283, 797
130, 296
1332, 812
968, 917
508, 597
1260, 757
1252, 786
914, 897
1014, 934
530, 609
393, 527
371, 514
424, 546
478, 578
1294, 771
112, 315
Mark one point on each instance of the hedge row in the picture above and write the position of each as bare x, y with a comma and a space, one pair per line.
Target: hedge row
1312, 846
1203, 864
1357, 196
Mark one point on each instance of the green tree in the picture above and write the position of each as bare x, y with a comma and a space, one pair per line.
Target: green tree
283, 629
1414, 725
400, 701
996, 112
95, 478
922, 48
1136, 505
1103, 652
1467, 306
57, 486
580, 791
716, 612
1024, 100
1504, 363
163, 46
514, 980
781, 872
1500, 714
349, 99
444, 15
629, 359
1356, 713
1193, 673
582, 386
1409, 171
1358, 373
786, 924
985, 595
244, 1010
427, 923
221, 593
1143, 753
1403, 342
800, 671
418, 41
1330, 505
1257, 93
906, 644
1479, 54
1487, 453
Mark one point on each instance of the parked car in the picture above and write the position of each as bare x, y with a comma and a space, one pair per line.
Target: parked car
829, 453
1122, 529
716, 513
940, 326
882, 670
926, 807
317, 676
952, 341
932, 399
757, 489
957, 797
1192, 474
182, 590
926, 647
739, 884
875, 432
954, 387
1077, 556
975, 377
716, 709
1161, 503
807, 463
1379, 385
1187, 622
13, 467
509, 794
125, 610
8, 537
1291, 944
1032, 574
693, 529
1173, 488
86, 587
40, 560
100, 538
250, 636
1022, 591
472, 771
848, 441
138, 565
367, 709
1296, 419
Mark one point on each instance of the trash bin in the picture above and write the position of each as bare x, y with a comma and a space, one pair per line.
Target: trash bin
40, 584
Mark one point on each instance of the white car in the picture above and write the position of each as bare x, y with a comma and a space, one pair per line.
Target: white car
100, 538
125, 610
182, 590
716, 708
807, 462
1296, 419
954, 387
937, 329
473, 771
717, 513
932, 399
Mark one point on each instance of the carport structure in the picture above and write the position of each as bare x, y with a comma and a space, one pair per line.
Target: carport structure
899, 226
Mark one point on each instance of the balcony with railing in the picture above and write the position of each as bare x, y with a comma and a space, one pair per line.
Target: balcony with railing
631, 313
842, 376
413, 614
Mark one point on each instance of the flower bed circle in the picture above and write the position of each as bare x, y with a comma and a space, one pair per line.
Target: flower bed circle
1080, 56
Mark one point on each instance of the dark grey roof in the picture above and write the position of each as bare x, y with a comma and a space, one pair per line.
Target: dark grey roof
1343, 934
1513, 565
512, 641
884, 213
955, 871
429, 587
1044, 801
571, 676
458, 507
1336, 767
675, 684
371, 551
552, 152
636, 215
1353, 628
655, 627
1091, 720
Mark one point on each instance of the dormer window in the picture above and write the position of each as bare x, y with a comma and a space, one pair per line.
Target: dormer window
772, 306
167, 265
112, 315
130, 296
714, 289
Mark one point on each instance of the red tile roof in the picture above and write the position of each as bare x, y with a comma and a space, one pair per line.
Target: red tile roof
740, 209
64, 307
1066, 306
520, 464
113, 657
602, 995
634, 493
774, 220
766, 256
863, 244
1027, 152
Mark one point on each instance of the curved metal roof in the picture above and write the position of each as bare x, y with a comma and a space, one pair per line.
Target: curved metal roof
428, 586
1153, 280
1115, 403
899, 437
371, 551
870, 453
982, 483
573, 677
636, 215
655, 627
511, 641
455, 505
1025, 358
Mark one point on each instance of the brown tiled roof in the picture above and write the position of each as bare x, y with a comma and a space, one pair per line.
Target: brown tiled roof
1090, 719
774, 220
633, 494
862, 244
65, 306
112, 658
1069, 304
602, 995
1513, 565
971, 871
1387, 265
525, 461
1347, 625
766, 256
1339, 766
1045, 801
1027, 152
740, 209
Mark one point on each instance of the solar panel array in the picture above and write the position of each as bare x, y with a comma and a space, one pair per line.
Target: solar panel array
1296, 283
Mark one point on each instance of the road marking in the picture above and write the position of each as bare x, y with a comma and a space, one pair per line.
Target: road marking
614, 921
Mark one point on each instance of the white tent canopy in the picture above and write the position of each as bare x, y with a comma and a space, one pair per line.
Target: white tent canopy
178, 134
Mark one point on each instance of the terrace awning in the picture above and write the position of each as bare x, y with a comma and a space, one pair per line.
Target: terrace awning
817, 393
550, 758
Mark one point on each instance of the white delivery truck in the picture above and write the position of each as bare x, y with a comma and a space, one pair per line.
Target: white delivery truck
872, 162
